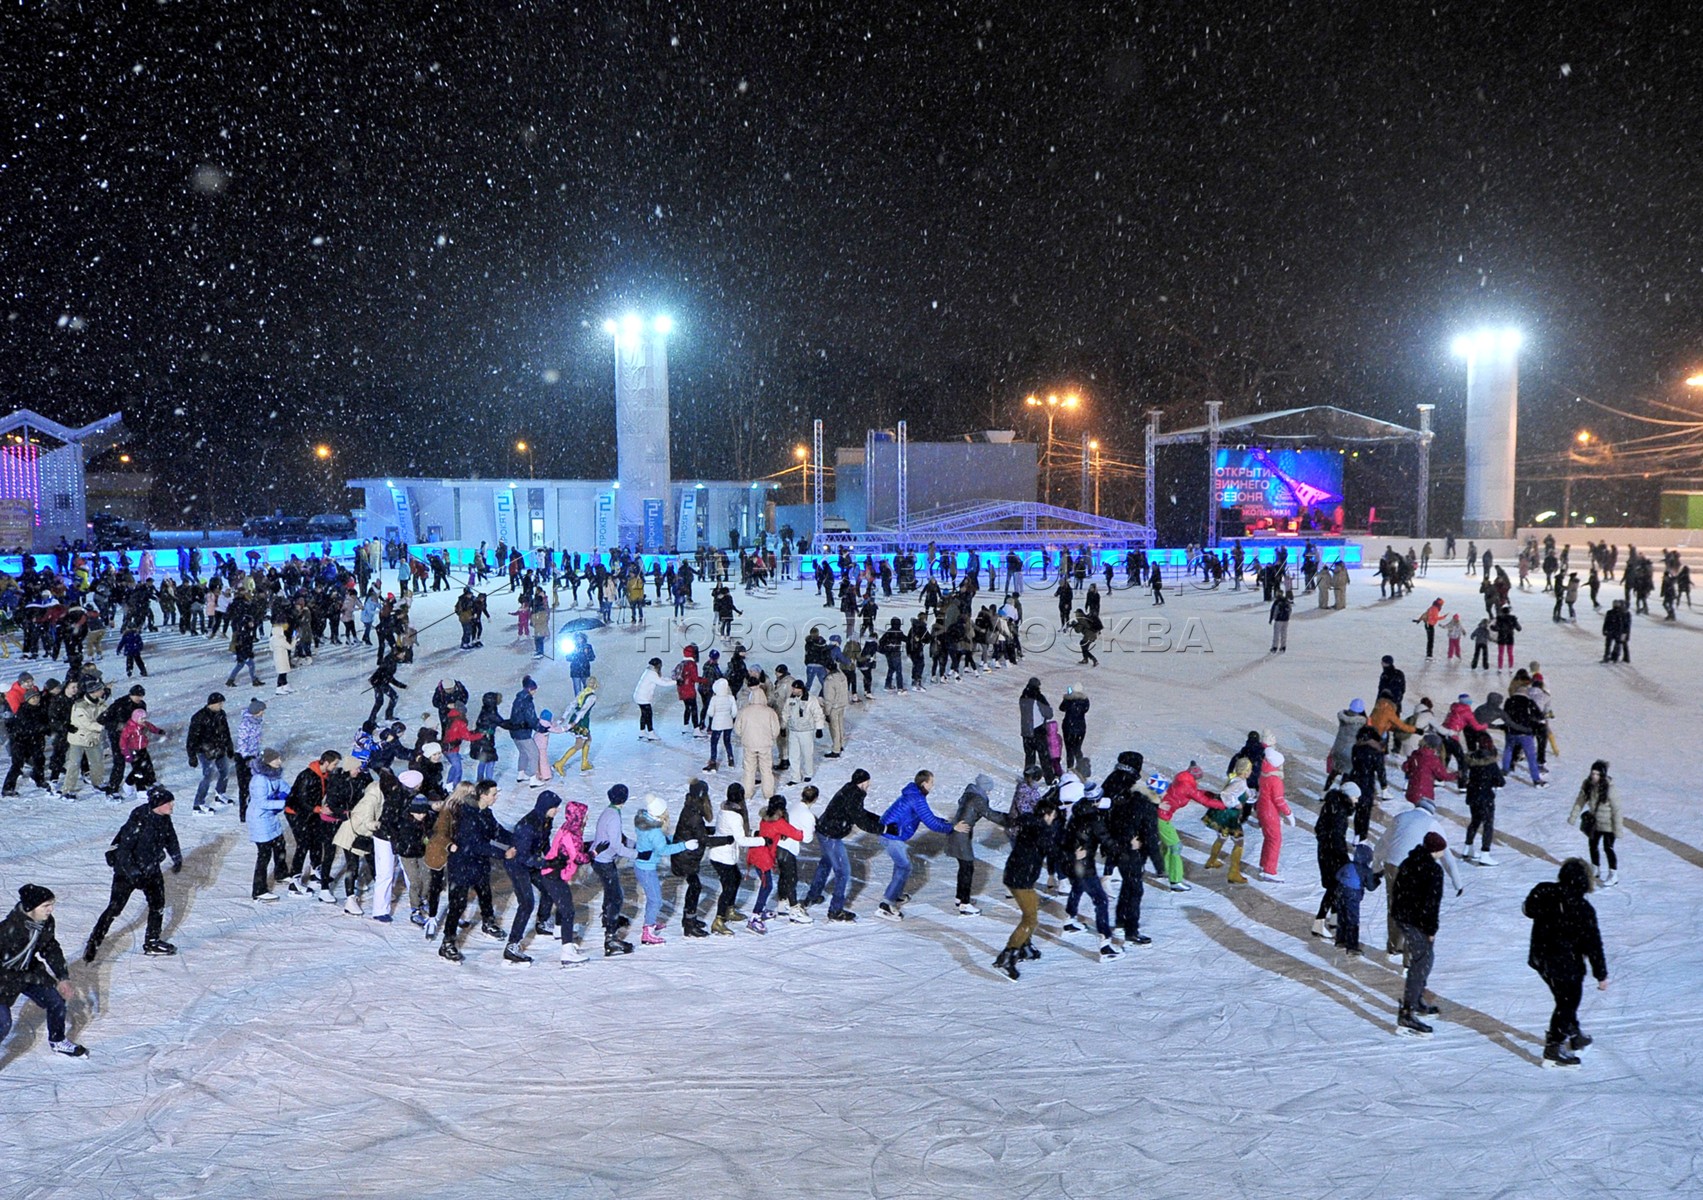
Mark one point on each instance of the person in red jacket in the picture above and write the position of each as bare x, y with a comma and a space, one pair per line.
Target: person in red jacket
686, 679
1271, 809
1184, 790
1425, 769
456, 734
772, 829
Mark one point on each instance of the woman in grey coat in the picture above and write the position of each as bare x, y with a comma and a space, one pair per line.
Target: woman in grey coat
961, 842
1349, 722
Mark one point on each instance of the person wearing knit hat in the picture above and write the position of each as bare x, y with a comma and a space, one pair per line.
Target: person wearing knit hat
147, 839
263, 816
1415, 906
33, 965
1271, 809
211, 748
845, 812
609, 845
654, 850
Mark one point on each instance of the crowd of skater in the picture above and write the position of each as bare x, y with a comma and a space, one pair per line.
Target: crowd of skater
403, 816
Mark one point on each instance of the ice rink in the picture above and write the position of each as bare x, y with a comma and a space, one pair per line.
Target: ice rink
294, 1051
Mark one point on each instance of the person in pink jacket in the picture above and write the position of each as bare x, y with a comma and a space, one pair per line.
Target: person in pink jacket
1271, 809
1183, 790
1425, 769
567, 854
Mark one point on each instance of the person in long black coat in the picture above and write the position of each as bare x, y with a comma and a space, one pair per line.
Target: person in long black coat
1565, 938
1331, 830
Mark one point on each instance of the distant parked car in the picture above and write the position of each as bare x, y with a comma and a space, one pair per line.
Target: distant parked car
107, 532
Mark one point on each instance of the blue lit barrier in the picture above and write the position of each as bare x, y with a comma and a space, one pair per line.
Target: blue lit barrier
165, 558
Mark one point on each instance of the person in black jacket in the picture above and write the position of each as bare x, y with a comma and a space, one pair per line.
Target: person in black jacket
1132, 834
1565, 939
58, 701
1085, 836
29, 743
1366, 770
477, 838
384, 685
33, 965
1029, 843
845, 812
696, 823
114, 719
210, 748
1391, 679
1418, 899
147, 839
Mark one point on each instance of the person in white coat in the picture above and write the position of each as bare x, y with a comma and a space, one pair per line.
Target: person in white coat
644, 695
281, 655
804, 718
758, 729
801, 814
1400, 836
719, 716
732, 838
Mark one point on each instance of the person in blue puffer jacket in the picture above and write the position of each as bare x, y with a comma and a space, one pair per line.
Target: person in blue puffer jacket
898, 825
265, 826
653, 850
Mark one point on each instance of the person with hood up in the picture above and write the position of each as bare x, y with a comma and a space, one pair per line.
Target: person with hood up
266, 825
609, 845
1414, 906
651, 842
1029, 843
1349, 722
1184, 790
734, 824
758, 729
1596, 811
484, 748
146, 839
530, 842
804, 720
644, 695
1074, 727
1386, 718
1405, 831
1565, 940
28, 731
1033, 712
32, 964
974, 805
1271, 809
720, 714
898, 825
845, 813
1424, 770
568, 853
1353, 881
1331, 832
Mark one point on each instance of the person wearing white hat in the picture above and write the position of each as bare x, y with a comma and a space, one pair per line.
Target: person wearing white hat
653, 848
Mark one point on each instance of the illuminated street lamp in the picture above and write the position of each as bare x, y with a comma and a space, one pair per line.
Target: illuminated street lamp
1052, 403
802, 454
322, 452
525, 447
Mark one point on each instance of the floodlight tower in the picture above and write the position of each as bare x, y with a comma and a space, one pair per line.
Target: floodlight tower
641, 429
1492, 428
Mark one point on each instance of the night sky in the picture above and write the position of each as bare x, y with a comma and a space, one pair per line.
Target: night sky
399, 232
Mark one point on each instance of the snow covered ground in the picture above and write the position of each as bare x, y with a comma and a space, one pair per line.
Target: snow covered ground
294, 1051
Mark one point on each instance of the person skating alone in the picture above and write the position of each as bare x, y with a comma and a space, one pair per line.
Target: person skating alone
146, 839
1415, 905
33, 965
1565, 940
1596, 812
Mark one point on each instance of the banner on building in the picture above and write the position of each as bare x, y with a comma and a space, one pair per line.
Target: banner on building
656, 537
686, 532
404, 514
505, 516
604, 527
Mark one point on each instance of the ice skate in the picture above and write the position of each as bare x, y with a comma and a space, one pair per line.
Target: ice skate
1108, 952
966, 909
512, 953
1411, 1026
649, 937
1557, 1055
572, 955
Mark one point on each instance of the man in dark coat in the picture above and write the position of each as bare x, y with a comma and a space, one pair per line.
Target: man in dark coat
147, 839
1565, 939
1132, 834
33, 965
845, 812
210, 748
1392, 680
1418, 899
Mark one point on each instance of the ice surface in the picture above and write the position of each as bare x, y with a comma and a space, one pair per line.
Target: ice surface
294, 1051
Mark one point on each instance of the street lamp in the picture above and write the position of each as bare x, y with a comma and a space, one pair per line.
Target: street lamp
802, 454
525, 447
322, 452
1052, 403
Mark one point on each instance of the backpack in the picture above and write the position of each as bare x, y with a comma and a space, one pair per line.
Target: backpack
680, 672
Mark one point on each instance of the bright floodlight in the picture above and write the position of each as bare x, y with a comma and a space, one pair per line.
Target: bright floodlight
610, 327
1486, 341
664, 325
631, 325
